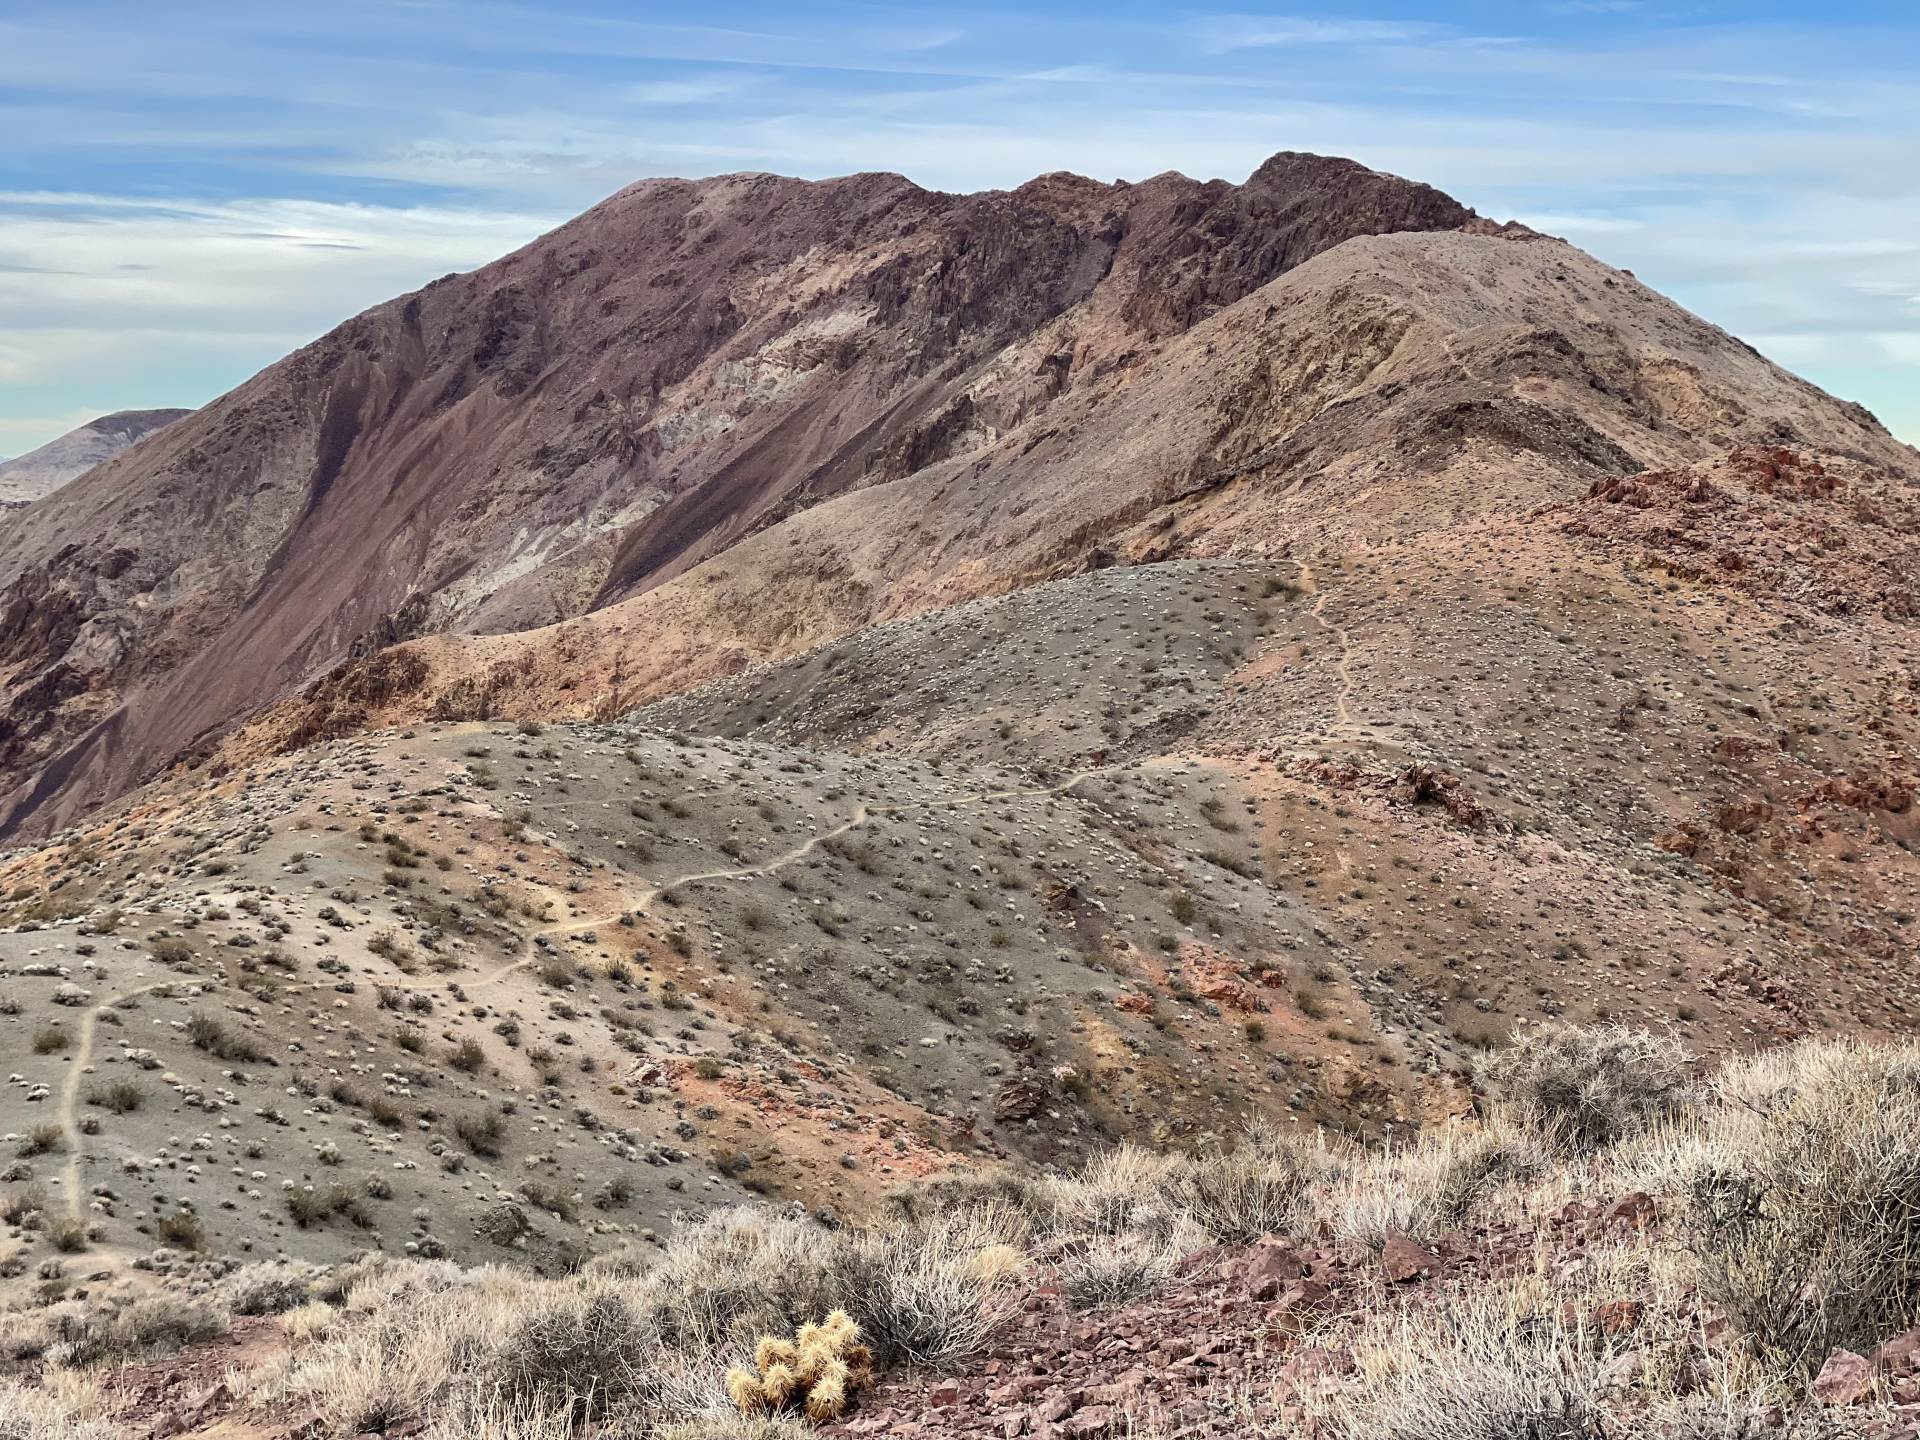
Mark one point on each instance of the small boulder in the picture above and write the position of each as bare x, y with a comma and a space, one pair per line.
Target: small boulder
1846, 1379
1405, 1261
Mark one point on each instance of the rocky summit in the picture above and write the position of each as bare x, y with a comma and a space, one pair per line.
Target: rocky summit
1164, 809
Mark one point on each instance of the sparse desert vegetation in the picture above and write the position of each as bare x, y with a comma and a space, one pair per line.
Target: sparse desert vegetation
1085, 812
1734, 1261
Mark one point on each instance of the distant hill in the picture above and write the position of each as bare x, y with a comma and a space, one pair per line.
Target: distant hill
39, 473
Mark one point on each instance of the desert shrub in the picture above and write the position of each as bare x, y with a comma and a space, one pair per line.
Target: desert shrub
30, 1413
1113, 1272
122, 1327
1257, 1190
67, 1235
183, 1230
591, 1358
1429, 1188
49, 1039
482, 1131
384, 1112
555, 1201
736, 1427
917, 1298
1112, 1192
735, 1275
205, 1032
310, 1207
41, 1140
1752, 1417
1585, 1088
467, 1057
270, 1287
18, 1206
1482, 1368
1013, 1204
739, 1274
1801, 1203
122, 1097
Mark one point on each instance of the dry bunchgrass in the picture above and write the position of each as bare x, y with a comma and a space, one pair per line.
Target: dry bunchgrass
1114, 1270
1425, 1189
1582, 1089
1478, 1366
112, 1327
1802, 1199
628, 1342
56, 1409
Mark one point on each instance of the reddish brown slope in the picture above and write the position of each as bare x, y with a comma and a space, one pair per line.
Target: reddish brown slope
1402, 389
683, 365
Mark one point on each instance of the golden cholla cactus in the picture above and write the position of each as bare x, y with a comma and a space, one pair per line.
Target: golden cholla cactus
817, 1371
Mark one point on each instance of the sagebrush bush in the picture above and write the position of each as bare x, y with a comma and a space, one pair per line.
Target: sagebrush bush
113, 1328
33, 1414
482, 1131
208, 1033
1582, 1089
269, 1287
1430, 1187
1113, 1192
122, 1097
591, 1357
914, 1292
1753, 1417
1803, 1210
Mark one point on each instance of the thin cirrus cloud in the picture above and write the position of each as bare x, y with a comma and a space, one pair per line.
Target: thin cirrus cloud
191, 190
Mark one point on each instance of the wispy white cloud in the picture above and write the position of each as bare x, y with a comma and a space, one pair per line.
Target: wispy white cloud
1221, 34
1761, 172
113, 301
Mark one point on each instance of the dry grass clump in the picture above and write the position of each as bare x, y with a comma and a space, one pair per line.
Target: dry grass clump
1262, 1187
482, 1131
1430, 1187
817, 1372
1113, 1271
917, 1292
1803, 1199
1114, 1192
1582, 1089
111, 1328
738, 1427
37, 1413
122, 1097
1480, 1366
1258, 1189
206, 1032
1752, 1417
270, 1287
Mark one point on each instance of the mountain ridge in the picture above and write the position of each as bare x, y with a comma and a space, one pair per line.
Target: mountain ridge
428, 442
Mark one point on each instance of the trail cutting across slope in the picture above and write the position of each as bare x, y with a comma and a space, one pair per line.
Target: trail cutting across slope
70, 1090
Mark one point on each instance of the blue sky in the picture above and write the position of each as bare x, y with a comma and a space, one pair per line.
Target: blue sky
188, 189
